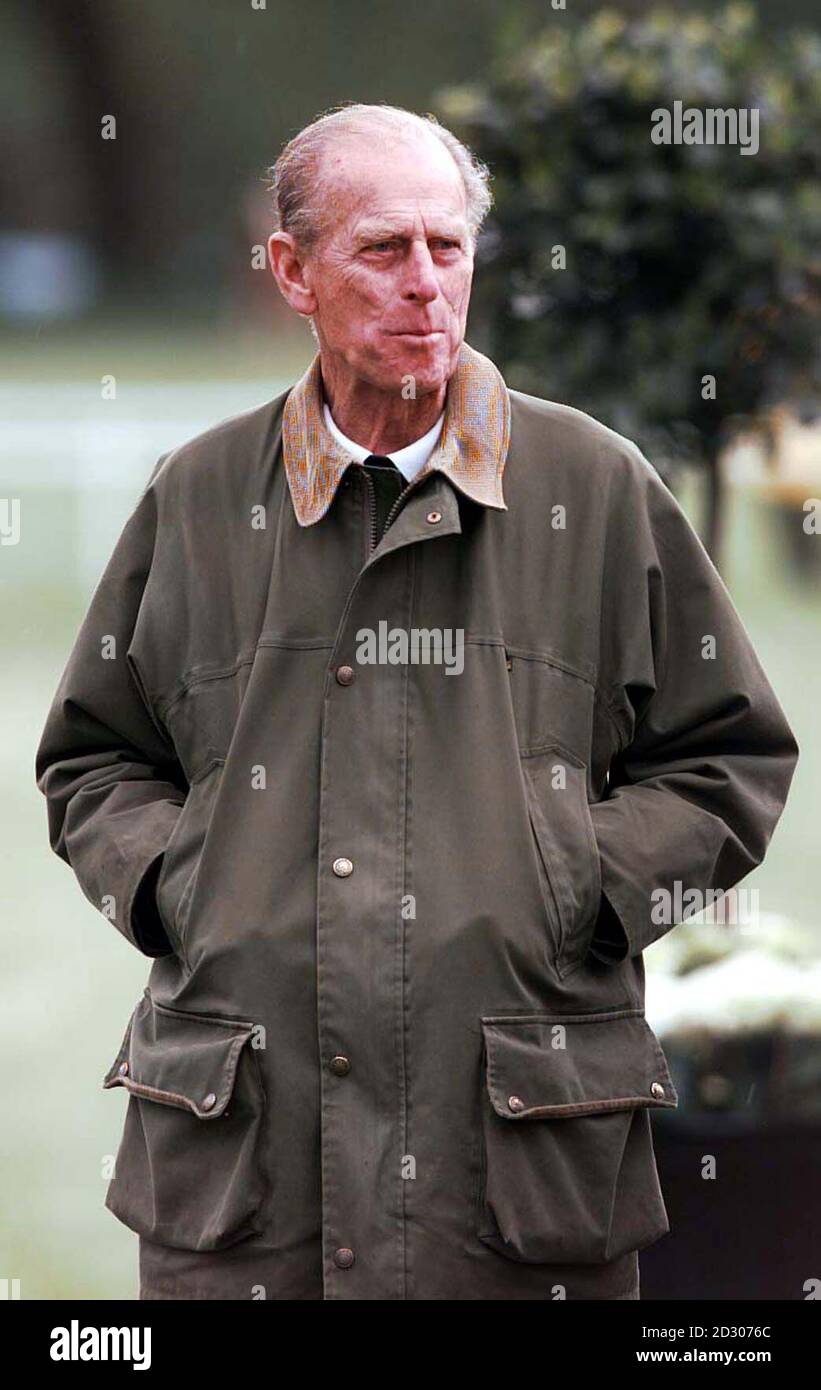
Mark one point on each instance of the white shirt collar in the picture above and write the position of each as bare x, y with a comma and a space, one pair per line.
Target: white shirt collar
409, 460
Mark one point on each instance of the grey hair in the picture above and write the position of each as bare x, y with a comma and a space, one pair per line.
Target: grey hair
300, 208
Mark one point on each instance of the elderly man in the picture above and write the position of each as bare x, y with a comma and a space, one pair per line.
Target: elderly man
393, 1044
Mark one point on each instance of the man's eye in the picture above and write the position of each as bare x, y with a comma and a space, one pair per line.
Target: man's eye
446, 244
381, 246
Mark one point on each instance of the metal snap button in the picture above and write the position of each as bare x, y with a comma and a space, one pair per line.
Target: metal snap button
433, 517
342, 867
210, 1101
123, 1069
345, 675
657, 1090
514, 1103
340, 1066
344, 1258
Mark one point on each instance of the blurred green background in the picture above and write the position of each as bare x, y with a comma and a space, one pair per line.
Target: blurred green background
132, 259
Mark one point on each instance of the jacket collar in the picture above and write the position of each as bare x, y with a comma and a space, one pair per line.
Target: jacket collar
471, 452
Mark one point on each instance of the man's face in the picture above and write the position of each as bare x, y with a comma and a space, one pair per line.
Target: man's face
392, 272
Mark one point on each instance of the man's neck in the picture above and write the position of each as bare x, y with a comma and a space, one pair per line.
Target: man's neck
381, 421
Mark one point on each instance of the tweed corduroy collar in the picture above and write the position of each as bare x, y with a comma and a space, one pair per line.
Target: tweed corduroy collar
471, 452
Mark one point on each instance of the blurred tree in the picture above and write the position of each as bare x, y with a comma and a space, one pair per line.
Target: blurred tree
683, 261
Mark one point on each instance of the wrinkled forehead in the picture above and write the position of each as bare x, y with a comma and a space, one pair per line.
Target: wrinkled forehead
395, 178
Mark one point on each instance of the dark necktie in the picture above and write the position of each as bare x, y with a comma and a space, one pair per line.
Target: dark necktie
388, 483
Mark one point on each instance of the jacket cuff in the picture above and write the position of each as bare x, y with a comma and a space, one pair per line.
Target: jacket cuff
147, 929
609, 942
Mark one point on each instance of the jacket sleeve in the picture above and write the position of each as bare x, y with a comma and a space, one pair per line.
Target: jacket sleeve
707, 756
108, 770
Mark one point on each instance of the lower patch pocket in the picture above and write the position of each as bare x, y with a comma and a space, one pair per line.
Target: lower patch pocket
188, 1172
569, 1171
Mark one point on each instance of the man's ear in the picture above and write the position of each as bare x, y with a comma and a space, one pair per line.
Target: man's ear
289, 270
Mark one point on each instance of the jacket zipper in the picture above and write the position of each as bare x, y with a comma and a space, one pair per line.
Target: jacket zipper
400, 499
398, 504
372, 505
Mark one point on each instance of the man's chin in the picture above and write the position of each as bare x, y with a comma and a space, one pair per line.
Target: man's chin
429, 360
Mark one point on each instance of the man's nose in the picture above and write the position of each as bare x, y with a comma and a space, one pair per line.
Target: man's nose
420, 283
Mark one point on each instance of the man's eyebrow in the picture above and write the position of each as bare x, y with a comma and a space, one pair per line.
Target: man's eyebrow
379, 231
384, 231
